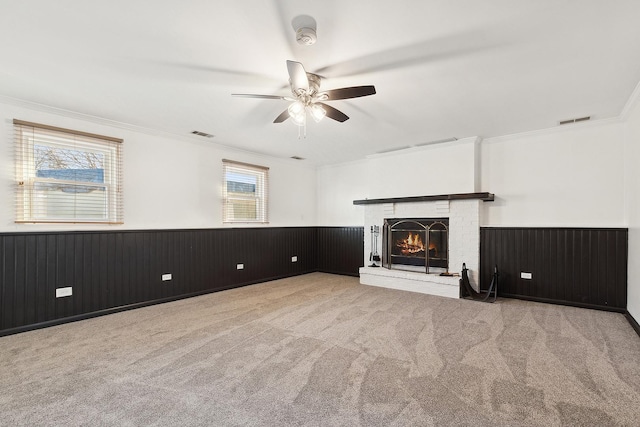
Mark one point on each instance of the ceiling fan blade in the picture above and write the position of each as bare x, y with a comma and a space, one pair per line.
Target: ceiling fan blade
399, 57
298, 76
282, 117
333, 113
350, 92
251, 95
195, 72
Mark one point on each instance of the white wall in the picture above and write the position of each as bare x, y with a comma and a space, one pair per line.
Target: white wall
169, 181
338, 187
435, 169
632, 168
569, 176
564, 177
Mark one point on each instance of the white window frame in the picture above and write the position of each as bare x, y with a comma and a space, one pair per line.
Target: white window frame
28, 207
261, 176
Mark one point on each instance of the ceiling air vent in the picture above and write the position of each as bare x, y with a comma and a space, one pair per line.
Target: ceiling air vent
579, 119
206, 135
297, 158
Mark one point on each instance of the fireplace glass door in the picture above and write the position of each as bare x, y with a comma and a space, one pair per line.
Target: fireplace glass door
416, 243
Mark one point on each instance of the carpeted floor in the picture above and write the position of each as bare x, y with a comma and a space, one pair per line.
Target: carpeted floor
323, 350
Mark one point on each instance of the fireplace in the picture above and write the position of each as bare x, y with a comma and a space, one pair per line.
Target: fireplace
416, 244
462, 215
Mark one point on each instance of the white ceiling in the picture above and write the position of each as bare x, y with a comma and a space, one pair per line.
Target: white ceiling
442, 68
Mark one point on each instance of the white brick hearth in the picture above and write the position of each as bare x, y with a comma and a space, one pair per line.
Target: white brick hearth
432, 284
464, 245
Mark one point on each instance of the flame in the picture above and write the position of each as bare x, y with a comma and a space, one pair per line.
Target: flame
411, 245
433, 249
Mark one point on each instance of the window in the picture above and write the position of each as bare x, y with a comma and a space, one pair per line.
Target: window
244, 192
67, 176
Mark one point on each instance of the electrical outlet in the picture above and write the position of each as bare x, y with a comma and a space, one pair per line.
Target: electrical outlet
524, 275
294, 259
240, 267
64, 292
166, 277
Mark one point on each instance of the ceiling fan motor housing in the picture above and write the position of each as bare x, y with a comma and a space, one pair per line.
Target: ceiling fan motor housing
306, 36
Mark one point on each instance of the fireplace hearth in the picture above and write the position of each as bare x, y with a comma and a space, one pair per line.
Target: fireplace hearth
416, 244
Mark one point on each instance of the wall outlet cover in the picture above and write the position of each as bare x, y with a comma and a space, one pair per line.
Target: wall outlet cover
166, 277
524, 275
240, 266
294, 259
64, 292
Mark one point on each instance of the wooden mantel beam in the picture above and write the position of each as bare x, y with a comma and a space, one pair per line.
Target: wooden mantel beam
485, 197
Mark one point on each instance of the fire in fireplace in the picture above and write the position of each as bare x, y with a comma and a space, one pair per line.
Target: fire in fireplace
416, 242
412, 245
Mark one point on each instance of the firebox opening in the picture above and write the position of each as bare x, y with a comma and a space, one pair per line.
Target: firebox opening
416, 243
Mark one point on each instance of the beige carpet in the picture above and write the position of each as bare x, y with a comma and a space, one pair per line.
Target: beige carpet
323, 350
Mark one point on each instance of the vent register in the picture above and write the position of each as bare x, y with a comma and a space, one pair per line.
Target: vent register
204, 134
579, 119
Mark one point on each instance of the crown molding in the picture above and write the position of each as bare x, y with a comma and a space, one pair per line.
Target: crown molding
555, 129
425, 147
70, 114
16, 102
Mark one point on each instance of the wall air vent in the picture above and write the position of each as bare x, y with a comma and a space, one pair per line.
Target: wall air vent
297, 158
206, 135
579, 119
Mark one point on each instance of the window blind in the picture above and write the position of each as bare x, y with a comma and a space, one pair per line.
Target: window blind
244, 192
66, 176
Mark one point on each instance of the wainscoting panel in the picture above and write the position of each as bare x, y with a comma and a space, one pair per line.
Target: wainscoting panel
340, 250
112, 269
586, 267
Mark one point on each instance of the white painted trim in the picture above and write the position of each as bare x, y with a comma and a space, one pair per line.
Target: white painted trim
416, 149
15, 102
631, 103
556, 129
342, 164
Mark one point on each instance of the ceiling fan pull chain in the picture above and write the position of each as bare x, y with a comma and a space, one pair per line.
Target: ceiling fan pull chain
302, 130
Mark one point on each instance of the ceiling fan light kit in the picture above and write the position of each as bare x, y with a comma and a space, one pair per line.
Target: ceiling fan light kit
297, 113
317, 112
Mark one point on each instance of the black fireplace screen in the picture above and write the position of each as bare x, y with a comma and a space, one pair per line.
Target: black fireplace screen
416, 242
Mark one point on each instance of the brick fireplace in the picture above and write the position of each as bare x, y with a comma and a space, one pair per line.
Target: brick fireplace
460, 213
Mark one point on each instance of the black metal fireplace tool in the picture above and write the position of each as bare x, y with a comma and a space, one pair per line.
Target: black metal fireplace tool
374, 256
466, 291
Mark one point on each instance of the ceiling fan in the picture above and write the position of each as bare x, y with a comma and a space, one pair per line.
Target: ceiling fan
307, 97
